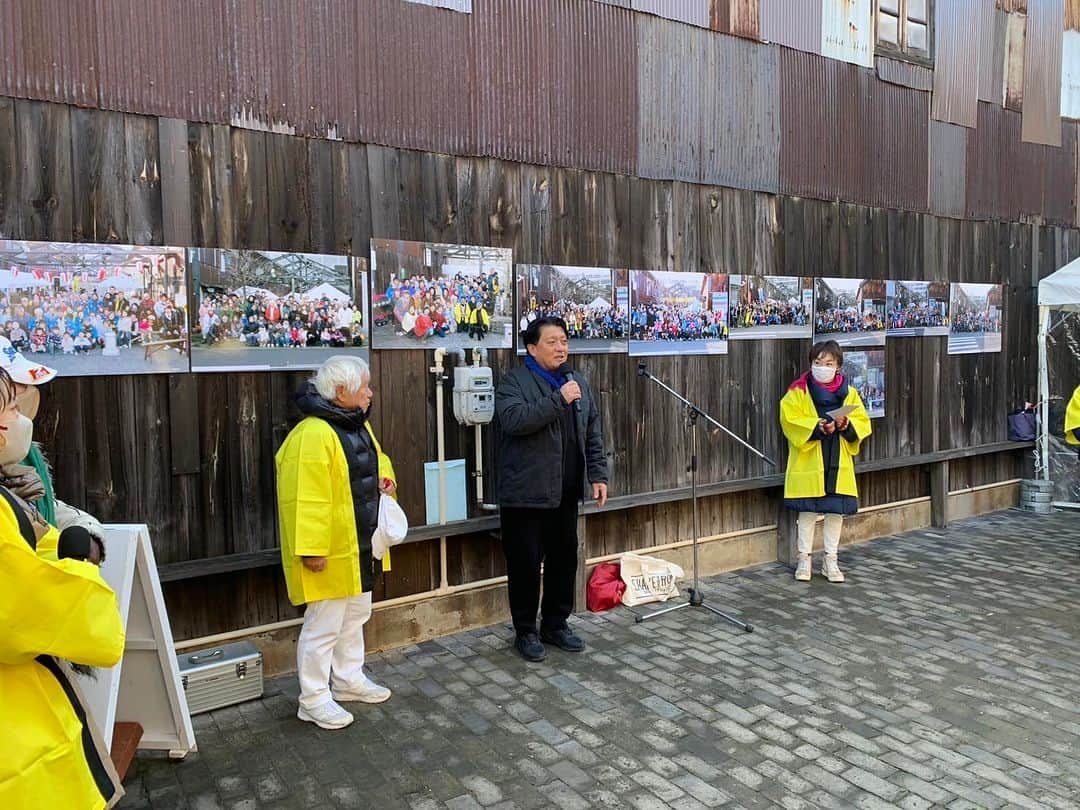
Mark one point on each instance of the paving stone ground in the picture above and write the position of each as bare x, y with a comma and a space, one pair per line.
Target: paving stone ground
944, 673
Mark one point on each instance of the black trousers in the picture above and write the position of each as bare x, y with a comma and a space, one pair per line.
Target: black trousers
532, 536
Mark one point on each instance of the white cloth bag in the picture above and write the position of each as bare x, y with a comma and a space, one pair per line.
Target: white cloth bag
392, 528
648, 579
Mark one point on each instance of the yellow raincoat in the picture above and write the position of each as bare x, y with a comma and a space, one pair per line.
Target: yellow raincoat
805, 477
1072, 417
48, 608
315, 511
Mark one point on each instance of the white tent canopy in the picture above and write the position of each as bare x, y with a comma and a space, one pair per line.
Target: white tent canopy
1058, 291
599, 303
245, 291
327, 291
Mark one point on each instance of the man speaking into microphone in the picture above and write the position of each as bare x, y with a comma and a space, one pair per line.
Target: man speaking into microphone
550, 448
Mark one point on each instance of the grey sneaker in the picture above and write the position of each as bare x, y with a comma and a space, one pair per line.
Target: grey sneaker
364, 690
830, 569
802, 572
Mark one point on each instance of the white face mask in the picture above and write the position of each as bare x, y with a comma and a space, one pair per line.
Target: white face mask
823, 374
17, 440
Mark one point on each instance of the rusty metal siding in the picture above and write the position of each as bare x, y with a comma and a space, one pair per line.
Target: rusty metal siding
847, 135
48, 53
1072, 15
948, 169
1042, 72
956, 74
810, 91
1013, 5
905, 74
740, 18
142, 67
1015, 45
692, 12
992, 56
847, 31
594, 94
792, 23
740, 121
1059, 192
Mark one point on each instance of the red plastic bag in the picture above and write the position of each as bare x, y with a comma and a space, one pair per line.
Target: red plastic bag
605, 588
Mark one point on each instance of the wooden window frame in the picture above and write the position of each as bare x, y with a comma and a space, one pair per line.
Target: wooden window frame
897, 52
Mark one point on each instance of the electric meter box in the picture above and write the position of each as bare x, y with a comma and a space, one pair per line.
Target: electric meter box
474, 395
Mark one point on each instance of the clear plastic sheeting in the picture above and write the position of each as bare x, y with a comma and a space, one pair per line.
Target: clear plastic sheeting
1063, 372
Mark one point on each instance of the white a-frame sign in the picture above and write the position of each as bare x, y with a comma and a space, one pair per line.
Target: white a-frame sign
144, 687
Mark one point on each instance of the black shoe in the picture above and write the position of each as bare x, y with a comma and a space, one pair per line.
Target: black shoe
564, 639
530, 647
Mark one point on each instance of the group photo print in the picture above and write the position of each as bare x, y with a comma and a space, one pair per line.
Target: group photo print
850, 311
266, 310
917, 308
95, 309
427, 295
865, 371
976, 318
771, 307
678, 313
589, 299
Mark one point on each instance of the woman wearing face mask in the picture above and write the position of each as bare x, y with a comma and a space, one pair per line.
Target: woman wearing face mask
820, 476
53, 612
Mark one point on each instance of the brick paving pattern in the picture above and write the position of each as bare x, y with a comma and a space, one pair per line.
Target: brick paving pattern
944, 673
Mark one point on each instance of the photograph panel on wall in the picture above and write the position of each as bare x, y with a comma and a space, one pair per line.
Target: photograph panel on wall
777, 307
587, 298
678, 313
917, 308
426, 295
95, 309
261, 310
976, 315
850, 311
865, 370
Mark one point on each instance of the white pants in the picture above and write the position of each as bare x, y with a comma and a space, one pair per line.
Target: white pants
330, 649
833, 524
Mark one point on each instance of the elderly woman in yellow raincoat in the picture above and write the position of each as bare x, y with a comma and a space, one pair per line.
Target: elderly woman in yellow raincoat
825, 423
331, 473
51, 612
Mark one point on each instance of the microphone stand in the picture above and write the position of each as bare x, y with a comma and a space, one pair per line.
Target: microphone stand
695, 597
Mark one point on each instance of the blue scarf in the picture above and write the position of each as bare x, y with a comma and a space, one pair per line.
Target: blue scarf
556, 381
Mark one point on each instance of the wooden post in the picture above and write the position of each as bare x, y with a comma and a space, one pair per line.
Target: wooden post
582, 577
939, 494
787, 543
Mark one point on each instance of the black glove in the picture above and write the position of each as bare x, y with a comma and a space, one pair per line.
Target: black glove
76, 543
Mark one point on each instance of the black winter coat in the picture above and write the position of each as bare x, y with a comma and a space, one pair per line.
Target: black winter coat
530, 417
363, 461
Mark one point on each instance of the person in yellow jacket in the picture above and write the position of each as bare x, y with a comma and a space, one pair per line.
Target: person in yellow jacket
820, 477
479, 322
1072, 419
331, 473
52, 612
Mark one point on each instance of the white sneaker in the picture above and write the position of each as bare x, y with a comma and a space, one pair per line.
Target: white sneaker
364, 690
326, 715
830, 569
802, 572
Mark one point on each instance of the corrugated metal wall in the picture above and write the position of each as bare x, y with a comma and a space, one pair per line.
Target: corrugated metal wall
61, 64
738, 17
948, 169
846, 135
793, 23
992, 56
1042, 72
694, 12
905, 74
956, 70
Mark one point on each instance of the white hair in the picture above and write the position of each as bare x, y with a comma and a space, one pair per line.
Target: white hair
342, 370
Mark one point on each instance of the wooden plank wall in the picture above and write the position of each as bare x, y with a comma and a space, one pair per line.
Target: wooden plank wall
193, 455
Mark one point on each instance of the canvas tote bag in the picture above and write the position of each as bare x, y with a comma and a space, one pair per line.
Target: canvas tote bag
648, 579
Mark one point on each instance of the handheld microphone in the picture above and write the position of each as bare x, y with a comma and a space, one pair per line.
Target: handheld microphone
570, 378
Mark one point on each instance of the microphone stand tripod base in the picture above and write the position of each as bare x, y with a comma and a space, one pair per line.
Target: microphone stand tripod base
694, 599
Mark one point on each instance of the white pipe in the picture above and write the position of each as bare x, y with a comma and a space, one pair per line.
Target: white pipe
479, 446
1044, 392
440, 376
